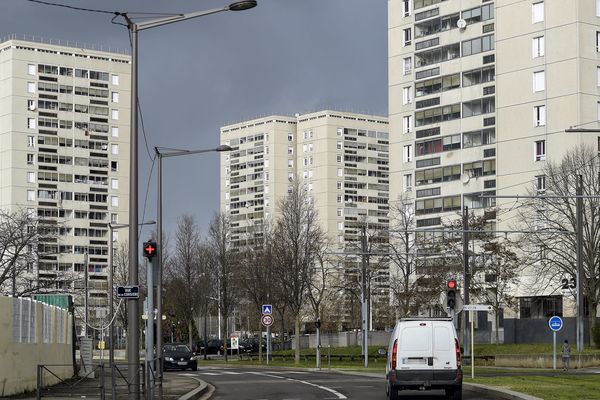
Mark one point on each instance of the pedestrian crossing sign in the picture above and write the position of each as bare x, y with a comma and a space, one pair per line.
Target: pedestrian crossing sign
267, 309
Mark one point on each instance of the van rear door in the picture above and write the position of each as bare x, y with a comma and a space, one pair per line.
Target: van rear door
444, 351
415, 351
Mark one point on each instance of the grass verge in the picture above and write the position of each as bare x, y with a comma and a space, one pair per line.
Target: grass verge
565, 387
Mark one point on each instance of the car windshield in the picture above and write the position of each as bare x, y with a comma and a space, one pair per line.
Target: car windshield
180, 348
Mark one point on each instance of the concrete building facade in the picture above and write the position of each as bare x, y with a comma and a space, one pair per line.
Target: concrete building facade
342, 158
480, 95
64, 145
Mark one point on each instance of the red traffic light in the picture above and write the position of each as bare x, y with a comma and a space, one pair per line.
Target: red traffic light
150, 249
452, 284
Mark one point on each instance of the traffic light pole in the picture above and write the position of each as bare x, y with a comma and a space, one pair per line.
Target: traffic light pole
580, 273
467, 279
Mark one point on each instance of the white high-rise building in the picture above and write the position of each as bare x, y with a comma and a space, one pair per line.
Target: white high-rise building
480, 95
64, 145
342, 158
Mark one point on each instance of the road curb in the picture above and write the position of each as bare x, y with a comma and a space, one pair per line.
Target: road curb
498, 393
196, 393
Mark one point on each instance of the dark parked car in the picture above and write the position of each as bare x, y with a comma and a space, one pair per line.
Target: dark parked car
179, 356
214, 346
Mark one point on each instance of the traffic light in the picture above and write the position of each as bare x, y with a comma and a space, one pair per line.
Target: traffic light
150, 250
451, 294
318, 323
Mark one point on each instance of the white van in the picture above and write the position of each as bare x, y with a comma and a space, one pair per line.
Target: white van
424, 354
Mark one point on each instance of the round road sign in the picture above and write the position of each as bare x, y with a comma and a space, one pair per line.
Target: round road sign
555, 323
267, 320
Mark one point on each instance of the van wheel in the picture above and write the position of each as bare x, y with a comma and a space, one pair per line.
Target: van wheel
454, 394
392, 393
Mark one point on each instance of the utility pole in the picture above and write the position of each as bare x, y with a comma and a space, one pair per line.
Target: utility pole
85, 282
580, 273
467, 279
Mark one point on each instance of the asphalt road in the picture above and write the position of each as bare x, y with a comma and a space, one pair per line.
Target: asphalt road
241, 383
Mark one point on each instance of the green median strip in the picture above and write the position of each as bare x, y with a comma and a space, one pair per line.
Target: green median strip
563, 387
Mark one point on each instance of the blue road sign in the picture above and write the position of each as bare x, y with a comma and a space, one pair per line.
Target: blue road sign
555, 323
267, 309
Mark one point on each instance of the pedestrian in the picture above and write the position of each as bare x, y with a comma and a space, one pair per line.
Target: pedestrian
566, 354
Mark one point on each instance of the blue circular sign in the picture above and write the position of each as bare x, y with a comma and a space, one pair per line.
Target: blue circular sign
555, 323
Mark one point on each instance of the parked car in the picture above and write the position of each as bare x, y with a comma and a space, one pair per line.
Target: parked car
424, 354
179, 356
213, 346
251, 345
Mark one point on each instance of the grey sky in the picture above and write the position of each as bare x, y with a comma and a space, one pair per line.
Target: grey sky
282, 57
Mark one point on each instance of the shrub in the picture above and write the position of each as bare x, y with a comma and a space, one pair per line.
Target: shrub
596, 335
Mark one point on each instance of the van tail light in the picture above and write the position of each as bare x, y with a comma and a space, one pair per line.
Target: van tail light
457, 353
395, 354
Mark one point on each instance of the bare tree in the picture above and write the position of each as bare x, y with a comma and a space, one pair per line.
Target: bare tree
26, 242
121, 278
186, 270
402, 253
554, 256
256, 271
225, 267
297, 236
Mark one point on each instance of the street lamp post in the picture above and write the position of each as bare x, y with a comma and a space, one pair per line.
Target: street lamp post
160, 155
111, 296
133, 351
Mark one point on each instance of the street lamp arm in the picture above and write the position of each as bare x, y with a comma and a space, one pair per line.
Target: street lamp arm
189, 152
177, 18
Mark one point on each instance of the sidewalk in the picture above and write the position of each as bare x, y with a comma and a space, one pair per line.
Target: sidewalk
176, 386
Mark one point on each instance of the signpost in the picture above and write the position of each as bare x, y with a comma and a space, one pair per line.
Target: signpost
470, 308
555, 323
267, 321
128, 292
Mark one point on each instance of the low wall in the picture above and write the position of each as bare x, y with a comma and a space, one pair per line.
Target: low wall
344, 339
545, 360
32, 333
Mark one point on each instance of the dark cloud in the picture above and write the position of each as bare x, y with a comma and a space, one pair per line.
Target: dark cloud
285, 56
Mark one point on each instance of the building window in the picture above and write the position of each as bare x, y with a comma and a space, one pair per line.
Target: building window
406, 95
537, 12
338, 184
310, 173
30, 159
340, 172
114, 166
339, 198
477, 45
340, 212
598, 75
31, 69
115, 97
114, 149
114, 183
30, 87
407, 34
539, 79
30, 141
540, 183
114, 131
597, 8
597, 41
540, 150
407, 65
114, 201
31, 177
406, 123
290, 163
31, 195
338, 158
340, 226
406, 8
114, 114
339, 145
537, 48
115, 80
408, 182
407, 153
539, 115
31, 123
290, 150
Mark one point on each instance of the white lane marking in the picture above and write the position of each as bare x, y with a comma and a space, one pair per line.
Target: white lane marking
231, 373
335, 393
210, 373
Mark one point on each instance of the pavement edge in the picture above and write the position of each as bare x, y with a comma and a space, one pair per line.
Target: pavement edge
196, 393
499, 393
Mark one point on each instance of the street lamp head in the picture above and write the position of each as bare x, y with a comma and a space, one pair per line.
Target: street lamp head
242, 5
224, 147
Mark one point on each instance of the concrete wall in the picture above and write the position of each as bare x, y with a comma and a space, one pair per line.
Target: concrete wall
344, 339
20, 353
